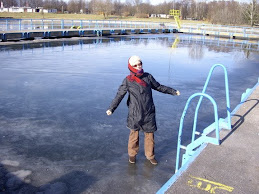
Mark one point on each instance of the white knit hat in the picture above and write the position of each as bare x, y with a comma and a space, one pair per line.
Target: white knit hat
134, 60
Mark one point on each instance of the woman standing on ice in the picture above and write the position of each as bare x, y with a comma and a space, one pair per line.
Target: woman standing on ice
141, 116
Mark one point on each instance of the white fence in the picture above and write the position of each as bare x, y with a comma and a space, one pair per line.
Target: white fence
48, 24
7, 25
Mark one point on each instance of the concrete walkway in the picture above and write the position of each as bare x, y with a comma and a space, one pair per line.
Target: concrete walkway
232, 167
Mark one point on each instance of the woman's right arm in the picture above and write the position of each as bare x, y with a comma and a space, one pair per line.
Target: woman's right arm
118, 98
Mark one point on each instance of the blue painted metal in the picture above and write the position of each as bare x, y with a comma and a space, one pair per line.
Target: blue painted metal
64, 33
45, 34
216, 126
123, 31
99, 33
79, 32
31, 24
228, 126
244, 97
6, 25
4, 37
42, 24
190, 148
25, 35
248, 90
112, 31
62, 24
20, 25
174, 178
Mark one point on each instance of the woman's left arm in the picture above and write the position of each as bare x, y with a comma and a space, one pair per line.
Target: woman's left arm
161, 88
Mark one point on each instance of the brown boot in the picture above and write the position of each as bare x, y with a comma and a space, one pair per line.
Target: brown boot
132, 159
153, 161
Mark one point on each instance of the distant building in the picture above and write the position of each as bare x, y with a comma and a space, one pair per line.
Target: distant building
52, 10
3, 9
159, 16
18, 9
26, 9
38, 10
163, 16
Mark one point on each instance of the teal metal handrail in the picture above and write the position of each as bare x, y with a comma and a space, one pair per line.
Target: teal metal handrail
209, 139
219, 123
228, 124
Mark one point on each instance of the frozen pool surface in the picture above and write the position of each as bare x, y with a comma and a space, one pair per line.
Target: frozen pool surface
54, 133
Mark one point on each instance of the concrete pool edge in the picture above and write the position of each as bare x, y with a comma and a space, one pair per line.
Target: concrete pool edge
184, 168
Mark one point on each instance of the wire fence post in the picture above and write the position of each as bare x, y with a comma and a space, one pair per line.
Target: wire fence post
62, 24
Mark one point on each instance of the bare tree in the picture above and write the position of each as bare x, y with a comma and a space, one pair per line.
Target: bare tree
137, 3
185, 4
92, 6
47, 4
251, 12
73, 6
162, 8
109, 7
62, 6
9, 3
81, 5
202, 10
118, 7
128, 9
104, 7
33, 3
224, 12
145, 8
198, 10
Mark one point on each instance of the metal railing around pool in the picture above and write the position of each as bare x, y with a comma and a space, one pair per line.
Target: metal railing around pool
53, 24
216, 30
34, 24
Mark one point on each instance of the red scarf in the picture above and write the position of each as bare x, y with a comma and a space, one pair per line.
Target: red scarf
135, 74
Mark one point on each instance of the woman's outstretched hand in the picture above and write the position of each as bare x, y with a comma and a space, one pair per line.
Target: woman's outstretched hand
177, 93
108, 112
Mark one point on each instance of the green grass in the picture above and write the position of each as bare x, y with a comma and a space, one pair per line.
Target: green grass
50, 16
86, 17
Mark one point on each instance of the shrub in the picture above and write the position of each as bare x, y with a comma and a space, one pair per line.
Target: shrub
141, 15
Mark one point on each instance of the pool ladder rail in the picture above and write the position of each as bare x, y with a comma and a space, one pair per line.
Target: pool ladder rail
204, 137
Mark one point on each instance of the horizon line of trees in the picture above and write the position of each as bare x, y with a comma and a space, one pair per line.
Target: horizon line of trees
218, 12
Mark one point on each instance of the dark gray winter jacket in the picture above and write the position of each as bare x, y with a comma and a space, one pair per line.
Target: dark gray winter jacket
141, 114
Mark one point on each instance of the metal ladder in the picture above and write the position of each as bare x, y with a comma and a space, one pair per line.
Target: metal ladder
219, 123
178, 22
